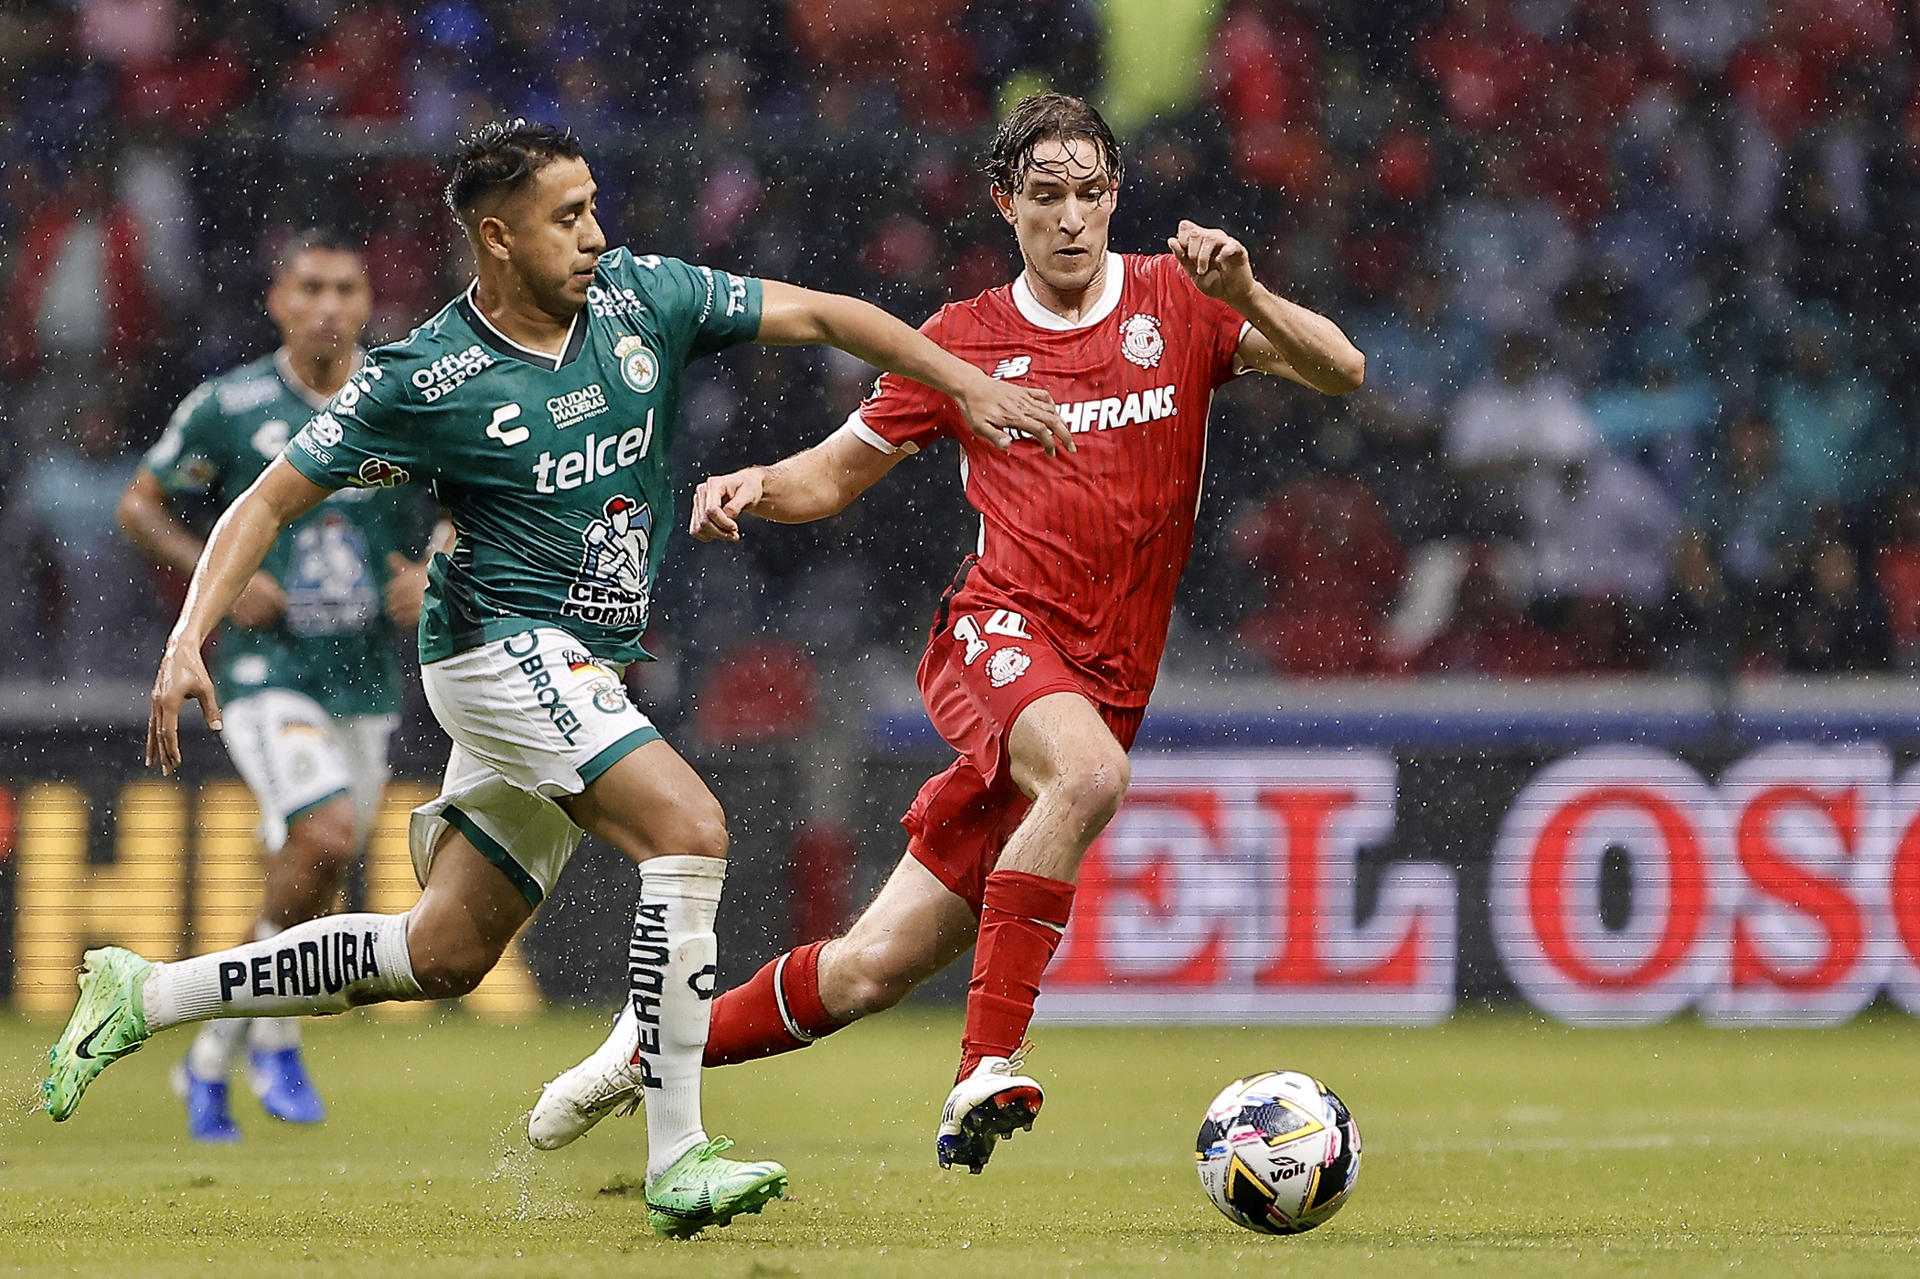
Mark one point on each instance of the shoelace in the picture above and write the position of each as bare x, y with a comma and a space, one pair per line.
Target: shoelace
632, 1103
633, 1094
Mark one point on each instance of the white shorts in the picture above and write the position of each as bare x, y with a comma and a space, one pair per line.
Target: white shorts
532, 717
295, 757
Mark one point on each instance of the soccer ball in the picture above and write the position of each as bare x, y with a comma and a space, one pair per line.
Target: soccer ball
1278, 1152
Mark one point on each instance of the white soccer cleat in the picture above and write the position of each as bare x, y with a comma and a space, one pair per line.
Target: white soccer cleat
607, 1081
992, 1102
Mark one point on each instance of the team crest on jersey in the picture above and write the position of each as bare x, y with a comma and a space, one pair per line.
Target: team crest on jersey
608, 698
611, 588
639, 368
1006, 666
1140, 340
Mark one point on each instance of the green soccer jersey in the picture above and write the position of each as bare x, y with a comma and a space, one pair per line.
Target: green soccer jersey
334, 642
553, 469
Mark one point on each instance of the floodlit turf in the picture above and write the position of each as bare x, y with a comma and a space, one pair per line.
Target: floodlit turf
1496, 1146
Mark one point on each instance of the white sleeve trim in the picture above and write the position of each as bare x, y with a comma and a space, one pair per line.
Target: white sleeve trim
1240, 366
857, 427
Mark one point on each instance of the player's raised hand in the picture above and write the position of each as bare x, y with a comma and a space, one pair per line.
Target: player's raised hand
996, 411
719, 502
1218, 264
182, 676
261, 601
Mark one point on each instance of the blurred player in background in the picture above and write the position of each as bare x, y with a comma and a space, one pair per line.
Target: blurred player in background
542, 405
307, 668
1046, 646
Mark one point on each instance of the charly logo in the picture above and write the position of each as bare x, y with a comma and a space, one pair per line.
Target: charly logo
639, 368
1140, 340
1006, 666
499, 430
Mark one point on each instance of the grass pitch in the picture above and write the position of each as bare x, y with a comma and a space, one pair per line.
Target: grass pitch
1495, 1146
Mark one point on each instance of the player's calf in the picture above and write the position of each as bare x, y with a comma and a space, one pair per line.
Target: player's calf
322, 966
859, 978
777, 1010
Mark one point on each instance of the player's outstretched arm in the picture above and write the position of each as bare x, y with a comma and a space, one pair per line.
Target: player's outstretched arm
150, 524
1287, 338
810, 485
994, 410
240, 541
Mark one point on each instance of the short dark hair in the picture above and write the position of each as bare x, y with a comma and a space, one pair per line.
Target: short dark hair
498, 157
310, 240
1046, 117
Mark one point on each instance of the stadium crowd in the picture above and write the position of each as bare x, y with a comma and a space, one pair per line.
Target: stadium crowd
1632, 278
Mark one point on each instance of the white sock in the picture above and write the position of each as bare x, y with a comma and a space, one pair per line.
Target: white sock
322, 966
214, 1048
670, 987
269, 1034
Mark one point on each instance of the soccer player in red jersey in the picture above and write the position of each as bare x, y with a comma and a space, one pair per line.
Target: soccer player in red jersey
1045, 648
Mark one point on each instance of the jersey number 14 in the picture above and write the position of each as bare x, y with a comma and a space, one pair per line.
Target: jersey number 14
1003, 621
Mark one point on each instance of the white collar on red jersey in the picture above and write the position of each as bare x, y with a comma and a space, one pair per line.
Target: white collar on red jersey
1040, 317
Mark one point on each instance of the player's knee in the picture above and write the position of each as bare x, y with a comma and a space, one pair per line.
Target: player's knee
324, 838
704, 833
698, 831
449, 956
1093, 787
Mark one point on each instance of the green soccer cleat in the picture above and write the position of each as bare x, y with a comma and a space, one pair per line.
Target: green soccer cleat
107, 1024
701, 1189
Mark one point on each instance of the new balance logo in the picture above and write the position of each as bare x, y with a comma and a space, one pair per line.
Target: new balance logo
1016, 366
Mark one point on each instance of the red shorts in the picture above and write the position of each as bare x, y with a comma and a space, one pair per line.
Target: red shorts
983, 666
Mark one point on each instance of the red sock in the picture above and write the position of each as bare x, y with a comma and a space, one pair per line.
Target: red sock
776, 1011
1021, 920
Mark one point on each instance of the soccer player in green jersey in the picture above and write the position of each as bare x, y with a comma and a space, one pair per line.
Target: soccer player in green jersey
540, 405
307, 668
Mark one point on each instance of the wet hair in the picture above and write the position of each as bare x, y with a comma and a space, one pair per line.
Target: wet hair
1047, 117
311, 240
498, 158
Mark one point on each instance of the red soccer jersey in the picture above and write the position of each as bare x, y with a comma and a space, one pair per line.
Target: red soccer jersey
1088, 546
